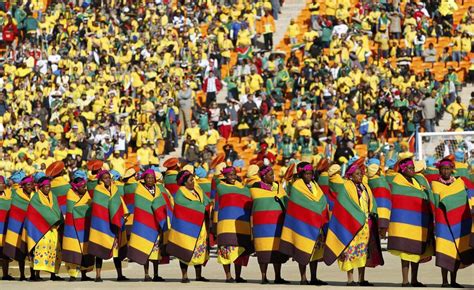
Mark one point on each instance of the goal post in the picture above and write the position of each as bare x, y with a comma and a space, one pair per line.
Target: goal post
442, 144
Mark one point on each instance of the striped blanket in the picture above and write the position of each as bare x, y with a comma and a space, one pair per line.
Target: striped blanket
15, 244
170, 181
76, 229
150, 221
107, 222
268, 214
346, 221
411, 218
233, 226
5, 203
42, 214
453, 224
59, 187
306, 215
381, 191
188, 218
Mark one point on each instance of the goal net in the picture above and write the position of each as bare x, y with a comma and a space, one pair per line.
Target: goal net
441, 144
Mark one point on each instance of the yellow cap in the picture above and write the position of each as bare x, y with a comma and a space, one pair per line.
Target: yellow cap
334, 169
372, 170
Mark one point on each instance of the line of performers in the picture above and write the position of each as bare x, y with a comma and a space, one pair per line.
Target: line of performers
315, 214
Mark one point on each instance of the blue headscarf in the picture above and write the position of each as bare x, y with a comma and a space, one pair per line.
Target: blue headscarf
115, 174
459, 156
38, 175
79, 173
17, 176
373, 161
200, 172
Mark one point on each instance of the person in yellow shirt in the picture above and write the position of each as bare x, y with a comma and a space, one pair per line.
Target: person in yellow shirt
267, 29
117, 163
192, 131
293, 31
201, 140
61, 152
144, 155
73, 150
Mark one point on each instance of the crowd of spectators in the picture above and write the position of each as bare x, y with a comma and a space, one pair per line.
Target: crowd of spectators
99, 79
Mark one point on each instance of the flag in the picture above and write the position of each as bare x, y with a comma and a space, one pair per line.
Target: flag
381, 192
60, 187
453, 224
76, 229
107, 221
411, 217
244, 52
346, 221
188, 218
149, 222
42, 214
306, 215
170, 181
15, 244
233, 225
267, 222
5, 203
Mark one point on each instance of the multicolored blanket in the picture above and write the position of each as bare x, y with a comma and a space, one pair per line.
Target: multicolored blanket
15, 243
381, 191
233, 225
411, 218
150, 221
170, 181
346, 221
42, 214
453, 224
188, 218
60, 187
76, 229
5, 203
107, 221
268, 215
306, 216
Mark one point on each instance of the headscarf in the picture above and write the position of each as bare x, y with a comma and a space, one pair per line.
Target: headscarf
264, 170
115, 174
182, 177
26, 180
38, 175
306, 167
79, 173
101, 173
459, 156
78, 183
200, 172
2, 179
403, 164
43, 181
17, 176
444, 162
353, 166
227, 169
148, 171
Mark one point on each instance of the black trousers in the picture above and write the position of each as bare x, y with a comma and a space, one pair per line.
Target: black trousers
210, 97
268, 41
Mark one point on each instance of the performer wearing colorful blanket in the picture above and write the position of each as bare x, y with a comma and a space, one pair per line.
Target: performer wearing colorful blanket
233, 226
76, 230
189, 233
268, 214
107, 235
149, 225
306, 217
410, 232
352, 235
453, 222
15, 246
5, 203
42, 225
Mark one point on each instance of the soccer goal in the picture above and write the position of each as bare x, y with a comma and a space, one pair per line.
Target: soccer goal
441, 144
